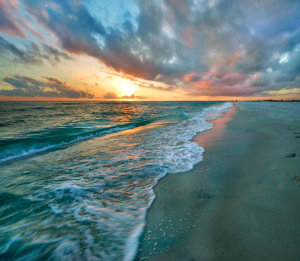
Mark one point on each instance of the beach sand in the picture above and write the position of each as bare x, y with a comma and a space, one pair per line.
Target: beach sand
242, 201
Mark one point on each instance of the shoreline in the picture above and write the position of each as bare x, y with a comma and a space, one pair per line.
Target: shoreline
239, 203
207, 138
203, 139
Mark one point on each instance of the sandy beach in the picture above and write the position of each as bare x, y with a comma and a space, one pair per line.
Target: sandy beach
242, 201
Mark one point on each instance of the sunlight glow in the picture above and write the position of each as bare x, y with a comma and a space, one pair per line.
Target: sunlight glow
125, 86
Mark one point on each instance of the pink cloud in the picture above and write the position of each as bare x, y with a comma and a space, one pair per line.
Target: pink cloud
216, 83
7, 24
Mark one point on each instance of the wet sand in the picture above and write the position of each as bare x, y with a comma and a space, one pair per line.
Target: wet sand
242, 201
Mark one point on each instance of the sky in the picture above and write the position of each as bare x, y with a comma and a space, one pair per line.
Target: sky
149, 50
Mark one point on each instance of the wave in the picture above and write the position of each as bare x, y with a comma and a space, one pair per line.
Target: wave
88, 197
47, 140
175, 152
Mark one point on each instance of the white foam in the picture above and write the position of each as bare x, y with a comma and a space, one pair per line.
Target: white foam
132, 243
113, 198
173, 148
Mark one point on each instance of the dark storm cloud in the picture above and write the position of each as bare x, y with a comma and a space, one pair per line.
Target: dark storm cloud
47, 87
205, 47
31, 53
144, 52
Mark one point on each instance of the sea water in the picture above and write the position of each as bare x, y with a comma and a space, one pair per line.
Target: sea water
77, 178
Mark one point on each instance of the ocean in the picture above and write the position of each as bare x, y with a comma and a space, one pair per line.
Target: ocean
77, 178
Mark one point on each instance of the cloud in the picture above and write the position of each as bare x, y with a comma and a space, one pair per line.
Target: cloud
110, 95
51, 53
207, 47
31, 53
132, 97
46, 87
140, 52
7, 23
218, 83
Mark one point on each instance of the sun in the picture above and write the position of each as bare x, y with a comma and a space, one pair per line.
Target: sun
125, 87
128, 88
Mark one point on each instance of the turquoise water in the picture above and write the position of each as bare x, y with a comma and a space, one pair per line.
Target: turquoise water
77, 177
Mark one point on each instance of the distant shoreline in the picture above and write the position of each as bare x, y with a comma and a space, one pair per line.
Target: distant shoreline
270, 100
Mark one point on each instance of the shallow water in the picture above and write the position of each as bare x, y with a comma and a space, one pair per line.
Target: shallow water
77, 177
